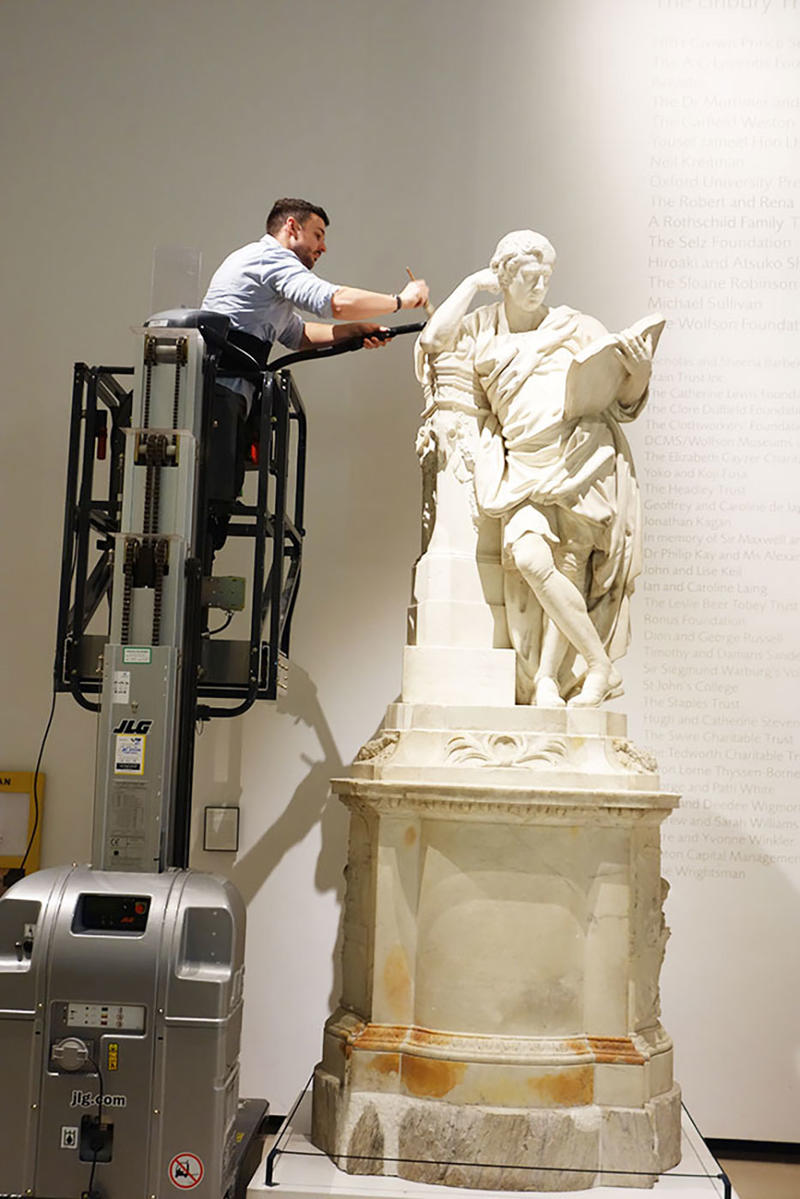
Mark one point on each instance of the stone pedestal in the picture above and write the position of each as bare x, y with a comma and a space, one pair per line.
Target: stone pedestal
502, 945
503, 929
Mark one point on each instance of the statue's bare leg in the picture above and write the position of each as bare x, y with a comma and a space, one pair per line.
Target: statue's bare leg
571, 561
546, 692
566, 607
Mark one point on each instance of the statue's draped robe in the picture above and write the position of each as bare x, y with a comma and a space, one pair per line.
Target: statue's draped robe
570, 480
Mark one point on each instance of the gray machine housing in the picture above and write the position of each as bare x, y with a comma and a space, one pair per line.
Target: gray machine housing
143, 980
136, 750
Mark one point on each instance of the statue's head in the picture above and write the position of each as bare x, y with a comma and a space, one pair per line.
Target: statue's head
523, 263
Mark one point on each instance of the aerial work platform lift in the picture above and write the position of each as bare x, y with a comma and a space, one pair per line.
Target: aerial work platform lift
121, 983
158, 664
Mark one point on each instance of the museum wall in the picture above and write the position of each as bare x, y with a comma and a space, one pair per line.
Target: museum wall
656, 143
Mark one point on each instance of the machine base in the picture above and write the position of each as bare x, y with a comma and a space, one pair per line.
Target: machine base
251, 1119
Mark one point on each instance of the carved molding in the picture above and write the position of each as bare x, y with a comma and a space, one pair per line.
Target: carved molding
379, 749
506, 749
625, 812
452, 437
360, 1035
633, 758
448, 441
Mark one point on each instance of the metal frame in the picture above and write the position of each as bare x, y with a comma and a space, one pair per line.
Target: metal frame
84, 514
98, 393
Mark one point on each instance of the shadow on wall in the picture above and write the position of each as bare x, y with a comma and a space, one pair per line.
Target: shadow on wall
740, 944
310, 804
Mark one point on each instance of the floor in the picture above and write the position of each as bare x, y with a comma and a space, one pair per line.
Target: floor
763, 1179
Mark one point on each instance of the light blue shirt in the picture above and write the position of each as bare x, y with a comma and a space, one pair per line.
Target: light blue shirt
261, 286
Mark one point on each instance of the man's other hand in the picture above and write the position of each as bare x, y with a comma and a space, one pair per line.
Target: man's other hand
371, 342
362, 329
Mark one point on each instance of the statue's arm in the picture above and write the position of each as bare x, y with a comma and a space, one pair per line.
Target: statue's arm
441, 331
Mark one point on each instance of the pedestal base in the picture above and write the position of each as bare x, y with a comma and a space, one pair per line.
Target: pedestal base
497, 1149
295, 1169
503, 937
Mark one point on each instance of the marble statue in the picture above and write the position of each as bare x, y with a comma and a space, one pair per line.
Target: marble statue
553, 465
503, 931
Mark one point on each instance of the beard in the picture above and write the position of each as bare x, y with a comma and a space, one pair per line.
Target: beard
306, 257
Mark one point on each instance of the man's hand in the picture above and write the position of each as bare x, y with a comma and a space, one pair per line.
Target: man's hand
414, 294
361, 329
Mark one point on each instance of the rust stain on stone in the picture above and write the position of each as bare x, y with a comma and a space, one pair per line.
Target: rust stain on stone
615, 1049
397, 981
430, 1077
411, 835
426, 1036
380, 1038
348, 1038
386, 1063
572, 1088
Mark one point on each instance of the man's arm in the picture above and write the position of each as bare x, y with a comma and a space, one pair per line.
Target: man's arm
353, 303
295, 283
317, 334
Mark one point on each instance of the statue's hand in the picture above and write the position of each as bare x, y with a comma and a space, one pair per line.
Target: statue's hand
533, 348
426, 440
485, 280
636, 355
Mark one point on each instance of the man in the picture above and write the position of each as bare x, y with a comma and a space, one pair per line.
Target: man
262, 286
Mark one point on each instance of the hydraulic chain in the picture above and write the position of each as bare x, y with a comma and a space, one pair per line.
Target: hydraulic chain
181, 358
155, 458
150, 347
160, 551
129, 566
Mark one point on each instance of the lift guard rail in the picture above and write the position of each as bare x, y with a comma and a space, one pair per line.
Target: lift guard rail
224, 669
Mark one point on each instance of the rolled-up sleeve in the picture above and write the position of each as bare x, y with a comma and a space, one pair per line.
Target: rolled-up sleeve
295, 283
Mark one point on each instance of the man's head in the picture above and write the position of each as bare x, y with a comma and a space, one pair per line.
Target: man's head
523, 263
299, 226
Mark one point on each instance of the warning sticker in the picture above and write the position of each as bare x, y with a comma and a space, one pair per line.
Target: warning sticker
69, 1136
137, 653
121, 687
129, 753
186, 1171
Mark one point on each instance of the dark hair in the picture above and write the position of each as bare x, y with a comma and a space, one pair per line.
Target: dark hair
301, 210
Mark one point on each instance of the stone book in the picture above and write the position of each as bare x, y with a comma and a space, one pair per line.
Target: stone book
596, 374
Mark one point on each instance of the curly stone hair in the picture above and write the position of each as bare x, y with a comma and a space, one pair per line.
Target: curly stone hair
522, 243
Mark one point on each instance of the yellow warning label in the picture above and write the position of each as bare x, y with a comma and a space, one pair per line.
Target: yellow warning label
113, 1055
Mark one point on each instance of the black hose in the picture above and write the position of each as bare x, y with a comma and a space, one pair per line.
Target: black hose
346, 346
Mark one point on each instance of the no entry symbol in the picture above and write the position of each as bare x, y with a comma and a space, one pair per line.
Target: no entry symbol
186, 1171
